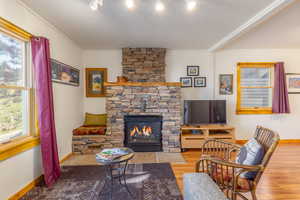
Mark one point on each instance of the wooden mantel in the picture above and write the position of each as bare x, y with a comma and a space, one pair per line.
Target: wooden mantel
143, 84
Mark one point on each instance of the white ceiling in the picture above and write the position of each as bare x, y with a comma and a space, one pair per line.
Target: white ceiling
281, 31
114, 26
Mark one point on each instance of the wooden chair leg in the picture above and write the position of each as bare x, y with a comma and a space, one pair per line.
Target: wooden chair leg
234, 196
253, 195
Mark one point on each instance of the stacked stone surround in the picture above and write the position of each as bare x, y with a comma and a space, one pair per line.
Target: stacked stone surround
90, 144
161, 100
144, 64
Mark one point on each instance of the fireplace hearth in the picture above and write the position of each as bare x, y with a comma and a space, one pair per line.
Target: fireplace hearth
143, 132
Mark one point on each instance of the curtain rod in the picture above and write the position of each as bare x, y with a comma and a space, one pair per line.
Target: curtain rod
8, 26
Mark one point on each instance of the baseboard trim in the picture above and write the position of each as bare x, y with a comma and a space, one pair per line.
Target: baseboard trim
33, 183
66, 157
289, 141
25, 189
285, 141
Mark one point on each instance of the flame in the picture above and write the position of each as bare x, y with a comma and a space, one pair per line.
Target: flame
145, 131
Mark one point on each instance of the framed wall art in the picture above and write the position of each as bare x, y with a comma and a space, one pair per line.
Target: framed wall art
65, 74
199, 81
186, 81
293, 83
226, 84
94, 82
193, 70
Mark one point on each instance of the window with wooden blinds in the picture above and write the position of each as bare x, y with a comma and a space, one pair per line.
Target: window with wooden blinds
254, 88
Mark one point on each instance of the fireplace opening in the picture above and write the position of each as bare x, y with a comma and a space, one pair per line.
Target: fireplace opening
143, 132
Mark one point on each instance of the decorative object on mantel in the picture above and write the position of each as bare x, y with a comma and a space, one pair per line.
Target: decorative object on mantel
226, 84
122, 79
293, 83
94, 82
193, 70
200, 82
186, 81
65, 74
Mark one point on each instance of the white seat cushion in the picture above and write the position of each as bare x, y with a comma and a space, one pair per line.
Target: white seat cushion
199, 186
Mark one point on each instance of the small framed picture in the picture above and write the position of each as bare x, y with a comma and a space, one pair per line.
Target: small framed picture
200, 82
293, 83
193, 70
186, 81
95, 78
226, 84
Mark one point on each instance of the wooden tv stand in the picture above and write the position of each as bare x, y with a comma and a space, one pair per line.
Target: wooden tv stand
190, 140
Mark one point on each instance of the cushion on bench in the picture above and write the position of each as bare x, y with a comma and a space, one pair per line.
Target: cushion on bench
199, 186
90, 130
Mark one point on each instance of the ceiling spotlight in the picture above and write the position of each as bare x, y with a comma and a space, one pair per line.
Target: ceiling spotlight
94, 4
159, 6
191, 5
130, 4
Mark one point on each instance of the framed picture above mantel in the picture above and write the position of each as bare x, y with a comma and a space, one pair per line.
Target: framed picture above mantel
199, 81
94, 82
193, 70
186, 82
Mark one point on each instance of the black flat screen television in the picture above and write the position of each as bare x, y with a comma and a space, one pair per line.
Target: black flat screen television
198, 112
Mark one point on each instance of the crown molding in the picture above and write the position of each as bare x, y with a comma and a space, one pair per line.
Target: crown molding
261, 16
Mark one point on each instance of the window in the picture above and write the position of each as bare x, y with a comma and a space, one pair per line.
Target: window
255, 88
16, 96
14, 89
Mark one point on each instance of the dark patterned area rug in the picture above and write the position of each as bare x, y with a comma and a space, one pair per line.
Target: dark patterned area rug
146, 182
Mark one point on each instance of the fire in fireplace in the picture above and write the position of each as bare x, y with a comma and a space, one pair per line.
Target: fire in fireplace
143, 132
146, 131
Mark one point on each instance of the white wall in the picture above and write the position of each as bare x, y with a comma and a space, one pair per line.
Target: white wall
110, 59
18, 171
176, 62
287, 125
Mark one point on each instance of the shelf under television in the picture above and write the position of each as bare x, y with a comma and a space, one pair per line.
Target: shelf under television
206, 131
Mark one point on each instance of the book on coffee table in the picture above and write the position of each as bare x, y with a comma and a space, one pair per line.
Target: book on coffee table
111, 154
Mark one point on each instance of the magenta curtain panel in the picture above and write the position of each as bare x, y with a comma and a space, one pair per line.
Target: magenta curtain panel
280, 97
45, 110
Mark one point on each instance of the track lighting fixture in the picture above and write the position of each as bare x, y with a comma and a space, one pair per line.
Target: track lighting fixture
130, 4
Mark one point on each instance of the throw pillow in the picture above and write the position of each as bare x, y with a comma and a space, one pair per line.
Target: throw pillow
251, 153
95, 119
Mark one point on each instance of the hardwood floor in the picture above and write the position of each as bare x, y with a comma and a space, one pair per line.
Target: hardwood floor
281, 180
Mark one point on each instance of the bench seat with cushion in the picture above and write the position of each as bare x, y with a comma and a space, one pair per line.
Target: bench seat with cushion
90, 130
91, 137
199, 186
94, 124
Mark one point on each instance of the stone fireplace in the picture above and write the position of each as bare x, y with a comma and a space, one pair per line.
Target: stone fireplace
146, 98
143, 132
143, 113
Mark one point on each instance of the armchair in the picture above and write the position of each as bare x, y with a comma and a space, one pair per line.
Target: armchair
217, 161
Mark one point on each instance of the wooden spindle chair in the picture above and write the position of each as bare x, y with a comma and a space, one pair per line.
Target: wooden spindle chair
218, 161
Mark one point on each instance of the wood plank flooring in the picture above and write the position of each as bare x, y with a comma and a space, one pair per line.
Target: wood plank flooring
281, 180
